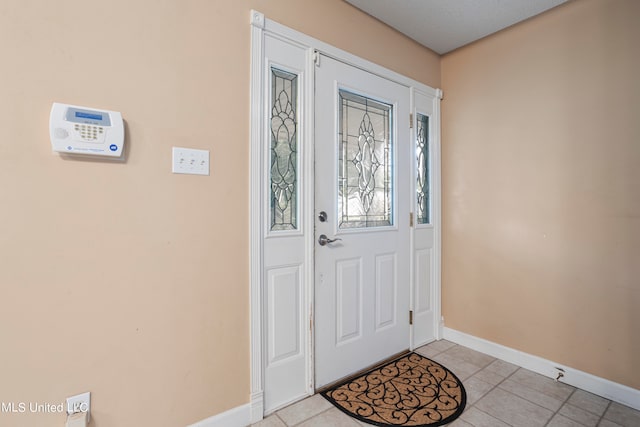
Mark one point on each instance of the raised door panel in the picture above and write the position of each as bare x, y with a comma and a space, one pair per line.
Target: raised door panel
348, 300
284, 306
423, 280
386, 291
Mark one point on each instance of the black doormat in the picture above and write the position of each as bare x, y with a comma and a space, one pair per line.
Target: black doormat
410, 391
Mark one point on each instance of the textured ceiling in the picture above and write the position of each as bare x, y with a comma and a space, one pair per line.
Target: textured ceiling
445, 25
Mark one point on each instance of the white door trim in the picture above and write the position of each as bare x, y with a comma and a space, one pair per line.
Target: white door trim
259, 27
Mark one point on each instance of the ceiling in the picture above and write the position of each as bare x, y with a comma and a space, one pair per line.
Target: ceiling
445, 25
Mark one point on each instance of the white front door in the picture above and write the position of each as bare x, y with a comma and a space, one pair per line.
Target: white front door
363, 159
328, 311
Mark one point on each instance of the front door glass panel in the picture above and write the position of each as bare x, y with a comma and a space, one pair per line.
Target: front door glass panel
284, 151
365, 163
422, 171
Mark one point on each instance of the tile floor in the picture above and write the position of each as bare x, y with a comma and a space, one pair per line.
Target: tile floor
499, 394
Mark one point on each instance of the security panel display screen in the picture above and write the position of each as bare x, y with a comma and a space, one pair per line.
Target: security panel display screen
88, 117
86, 131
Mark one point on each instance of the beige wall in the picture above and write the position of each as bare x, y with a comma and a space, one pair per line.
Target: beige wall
541, 175
121, 278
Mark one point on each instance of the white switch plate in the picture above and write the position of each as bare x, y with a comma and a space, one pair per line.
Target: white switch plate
80, 403
190, 161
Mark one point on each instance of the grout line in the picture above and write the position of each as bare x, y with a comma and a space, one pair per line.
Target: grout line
493, 387
312, 417
604, 412
459, 359
489, 415
537, 391
506, 391
564, 402
278, 417
441, 351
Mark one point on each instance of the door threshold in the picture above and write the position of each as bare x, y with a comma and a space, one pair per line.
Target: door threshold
362, 371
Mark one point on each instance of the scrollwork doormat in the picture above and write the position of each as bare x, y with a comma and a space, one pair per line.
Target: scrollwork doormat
410, 391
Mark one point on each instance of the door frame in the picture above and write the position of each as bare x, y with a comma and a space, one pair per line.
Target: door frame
260, 26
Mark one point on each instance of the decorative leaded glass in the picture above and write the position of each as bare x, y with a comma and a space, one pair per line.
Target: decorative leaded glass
284, 147
365, 195
422, 157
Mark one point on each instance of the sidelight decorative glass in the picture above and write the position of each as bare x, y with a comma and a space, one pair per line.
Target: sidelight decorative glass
365, 193
284, 148
422, 157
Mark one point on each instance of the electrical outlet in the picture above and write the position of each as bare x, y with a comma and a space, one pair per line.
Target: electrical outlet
190, 161
80, 403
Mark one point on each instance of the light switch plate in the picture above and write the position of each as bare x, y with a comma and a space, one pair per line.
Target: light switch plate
190, 161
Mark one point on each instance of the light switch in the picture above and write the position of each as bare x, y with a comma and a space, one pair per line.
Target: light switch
190, 161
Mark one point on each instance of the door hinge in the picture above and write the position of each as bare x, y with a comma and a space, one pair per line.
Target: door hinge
410, 219
410, 120
411, 317
316, 58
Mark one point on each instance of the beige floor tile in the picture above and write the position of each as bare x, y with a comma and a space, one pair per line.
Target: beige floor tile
471, 356
333, 417
531, 395
439, 346
460, 368
513, 410
475, 389
560, 421
502, 368
589, 402
478, 418
460, 423
304, 409
623, 415
489, 377
579, 415
428, 351
270, 421
542, 384
607, 423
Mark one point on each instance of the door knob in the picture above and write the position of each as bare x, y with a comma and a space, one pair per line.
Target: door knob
323, 240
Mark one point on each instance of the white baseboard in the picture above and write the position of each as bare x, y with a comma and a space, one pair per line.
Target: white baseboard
602, 387
236, 417
257, 406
